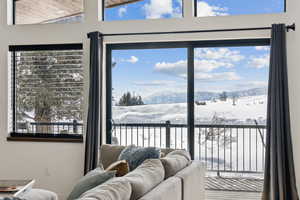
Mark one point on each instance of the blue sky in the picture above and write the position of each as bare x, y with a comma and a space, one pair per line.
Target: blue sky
153, 9
216, 69
154, 71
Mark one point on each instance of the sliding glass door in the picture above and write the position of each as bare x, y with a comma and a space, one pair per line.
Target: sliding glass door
208, 97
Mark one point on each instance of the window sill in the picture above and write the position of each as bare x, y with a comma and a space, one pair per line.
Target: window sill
27, 137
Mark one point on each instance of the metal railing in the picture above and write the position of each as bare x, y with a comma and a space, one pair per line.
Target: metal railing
51, 127
224, 148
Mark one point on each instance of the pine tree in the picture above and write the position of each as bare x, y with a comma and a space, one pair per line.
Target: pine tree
223, 96
128, 99
49, 86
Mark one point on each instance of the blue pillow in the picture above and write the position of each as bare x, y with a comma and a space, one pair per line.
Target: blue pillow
89, 181
137, 155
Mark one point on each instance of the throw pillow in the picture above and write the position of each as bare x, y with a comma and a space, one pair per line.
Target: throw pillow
145, 177
91, 180
180, 152
173, 164
137, 155
121, 167
116, 188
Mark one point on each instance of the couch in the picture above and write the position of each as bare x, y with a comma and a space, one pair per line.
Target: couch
150, 181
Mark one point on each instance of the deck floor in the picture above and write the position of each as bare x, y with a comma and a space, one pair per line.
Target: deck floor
229, 188
231, 195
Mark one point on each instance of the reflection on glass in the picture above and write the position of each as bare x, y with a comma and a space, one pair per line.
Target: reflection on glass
207, 8
143, 9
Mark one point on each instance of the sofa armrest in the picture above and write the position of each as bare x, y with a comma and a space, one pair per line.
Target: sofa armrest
39, 194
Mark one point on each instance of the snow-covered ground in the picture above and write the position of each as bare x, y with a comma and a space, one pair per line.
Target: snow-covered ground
243, 149
244, 112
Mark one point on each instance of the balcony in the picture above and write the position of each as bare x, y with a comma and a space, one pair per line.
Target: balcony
233, 154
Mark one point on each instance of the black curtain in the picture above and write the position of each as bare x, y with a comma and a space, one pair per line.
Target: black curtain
93, 129
280, 180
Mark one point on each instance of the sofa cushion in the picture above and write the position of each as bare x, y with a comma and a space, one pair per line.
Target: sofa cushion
121, 167
193, 181
145, 177
173, 164
89, 181
181, 152
170, 189
109, 154
114, 189
137, 155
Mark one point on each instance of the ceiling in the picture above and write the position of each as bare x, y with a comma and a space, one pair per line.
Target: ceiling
43, 11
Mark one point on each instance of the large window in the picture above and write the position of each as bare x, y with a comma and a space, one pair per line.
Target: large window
47, 11
142, 9
208, 97
234, 7
47, 90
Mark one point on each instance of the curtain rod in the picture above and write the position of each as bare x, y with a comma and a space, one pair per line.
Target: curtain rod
288, 28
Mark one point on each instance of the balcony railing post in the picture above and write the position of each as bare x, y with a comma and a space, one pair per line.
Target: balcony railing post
168, 134
75, 127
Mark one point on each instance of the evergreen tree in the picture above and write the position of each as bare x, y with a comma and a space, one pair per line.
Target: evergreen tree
49, 86
128, 99
223, 96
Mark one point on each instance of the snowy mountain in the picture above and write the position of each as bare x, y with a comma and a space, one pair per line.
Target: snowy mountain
181, 97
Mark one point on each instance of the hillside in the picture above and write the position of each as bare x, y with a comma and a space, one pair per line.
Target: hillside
247, 109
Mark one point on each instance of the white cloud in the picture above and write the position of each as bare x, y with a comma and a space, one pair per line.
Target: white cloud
157, 8
206, 61
122, 11
251, 84
132, 60
262, 48
223, 76
154, 83
178, 68
202, 69
260, 62
223, 54
204, 10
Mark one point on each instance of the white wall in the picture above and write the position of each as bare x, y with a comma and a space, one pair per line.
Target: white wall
56, 166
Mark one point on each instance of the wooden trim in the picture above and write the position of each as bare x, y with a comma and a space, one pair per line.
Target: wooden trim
39, 139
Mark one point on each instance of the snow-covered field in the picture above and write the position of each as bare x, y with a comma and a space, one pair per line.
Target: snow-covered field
244, 112
242, 151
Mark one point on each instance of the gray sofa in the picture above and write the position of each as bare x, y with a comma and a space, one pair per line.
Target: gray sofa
151, 180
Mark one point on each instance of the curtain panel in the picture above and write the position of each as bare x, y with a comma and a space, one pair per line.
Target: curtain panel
280, 180
93, 129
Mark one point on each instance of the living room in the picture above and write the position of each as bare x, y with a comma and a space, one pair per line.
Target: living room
169, 74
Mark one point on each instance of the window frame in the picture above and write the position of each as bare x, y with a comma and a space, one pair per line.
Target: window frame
190, 46
39, 137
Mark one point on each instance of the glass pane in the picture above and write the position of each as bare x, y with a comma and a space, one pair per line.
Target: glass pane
48, 11
149, 97
234, 7
230, 110
49, 92
142, 9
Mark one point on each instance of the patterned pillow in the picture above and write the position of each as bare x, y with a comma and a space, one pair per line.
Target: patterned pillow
137, 155
121, 167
